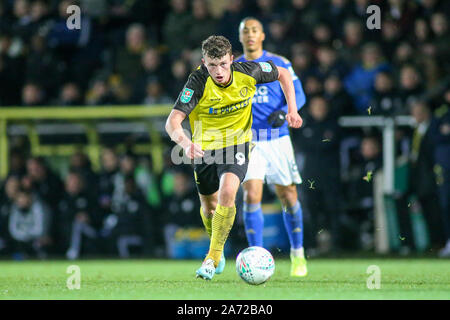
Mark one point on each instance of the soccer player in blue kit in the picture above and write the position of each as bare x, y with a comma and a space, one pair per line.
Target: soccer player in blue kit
272, 159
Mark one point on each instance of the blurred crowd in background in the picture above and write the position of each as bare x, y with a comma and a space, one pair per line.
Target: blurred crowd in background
141, 52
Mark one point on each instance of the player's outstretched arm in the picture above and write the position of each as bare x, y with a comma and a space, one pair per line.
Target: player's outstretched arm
293, 118
176, 133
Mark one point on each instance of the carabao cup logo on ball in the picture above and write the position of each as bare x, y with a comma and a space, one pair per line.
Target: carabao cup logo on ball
186, 95
255, 265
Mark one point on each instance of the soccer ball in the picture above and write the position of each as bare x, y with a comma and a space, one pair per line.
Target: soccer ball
255, 265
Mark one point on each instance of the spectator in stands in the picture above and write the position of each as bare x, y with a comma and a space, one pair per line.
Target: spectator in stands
425, 50
441, 40
359, 83
42, 61
322, 35
276, 37
360, 192
386, 100
144, 179
442, 169
352, 41
422, 33
267, 11
5, 19
40, 14
80, 163
128, 60
152, 64
29, 226
11, 70
390, 37
46, 184
404, 54
302, 62
328, 63
182, 208
358, 9
202, 24
335, 13
121, 92
338, 99
8, 193
70, 95
410, 86
100, 93
179, 74
318, 142
17, 161
155, 94
313, 85
110, 167
422, 179
403, 12
176, 26
22, 23
303, 16
152, 68
32, 95
78, 218
132, 216
428, 7
234, 12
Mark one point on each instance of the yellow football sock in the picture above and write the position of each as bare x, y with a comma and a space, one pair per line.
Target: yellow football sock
222, 222
207, 222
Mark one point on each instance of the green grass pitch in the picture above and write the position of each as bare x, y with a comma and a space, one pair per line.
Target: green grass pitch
175, 280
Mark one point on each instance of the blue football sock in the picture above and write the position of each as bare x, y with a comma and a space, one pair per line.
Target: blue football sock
254, 224
293, 221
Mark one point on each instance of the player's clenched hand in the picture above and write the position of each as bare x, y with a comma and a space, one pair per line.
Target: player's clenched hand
294, 120
193, 150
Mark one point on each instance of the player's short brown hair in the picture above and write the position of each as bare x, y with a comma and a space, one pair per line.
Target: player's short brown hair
216, 47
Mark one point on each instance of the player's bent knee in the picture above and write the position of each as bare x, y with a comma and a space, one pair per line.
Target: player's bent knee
287, 195
252, 196
253, 191
227, 196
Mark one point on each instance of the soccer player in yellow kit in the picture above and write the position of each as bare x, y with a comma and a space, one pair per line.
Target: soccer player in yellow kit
217, 98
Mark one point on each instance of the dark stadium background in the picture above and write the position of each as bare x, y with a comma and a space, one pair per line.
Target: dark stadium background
82, 113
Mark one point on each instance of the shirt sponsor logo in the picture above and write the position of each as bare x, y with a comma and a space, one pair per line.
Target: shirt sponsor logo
265, 66
230, 108
187, 94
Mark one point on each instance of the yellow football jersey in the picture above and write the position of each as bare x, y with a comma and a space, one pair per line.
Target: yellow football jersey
221, 116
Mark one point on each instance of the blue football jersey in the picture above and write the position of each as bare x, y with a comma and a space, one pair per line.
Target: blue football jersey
269, 97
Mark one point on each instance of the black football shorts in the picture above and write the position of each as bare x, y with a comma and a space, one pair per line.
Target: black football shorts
216, 162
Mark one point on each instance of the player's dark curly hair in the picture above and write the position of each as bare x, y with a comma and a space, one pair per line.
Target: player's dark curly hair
216, 47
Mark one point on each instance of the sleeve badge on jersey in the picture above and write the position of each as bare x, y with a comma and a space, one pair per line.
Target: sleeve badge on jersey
186, 96
265, 66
